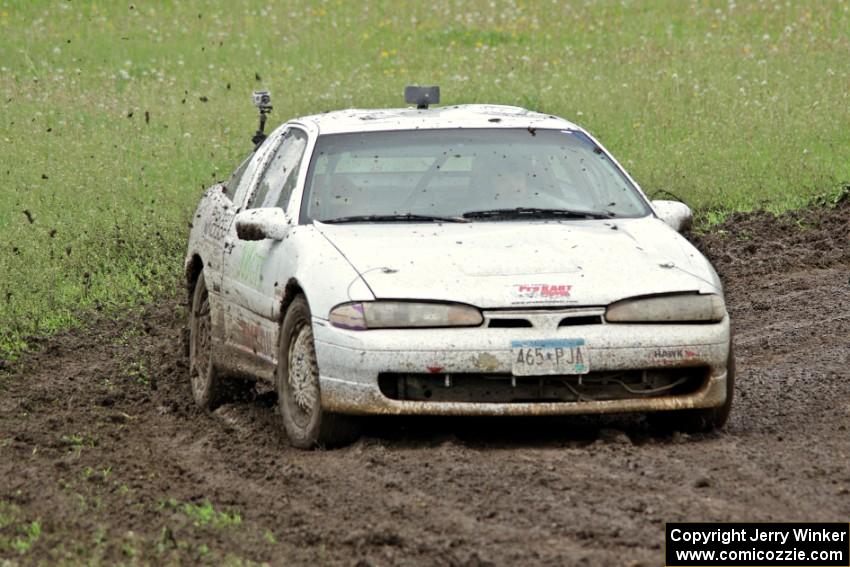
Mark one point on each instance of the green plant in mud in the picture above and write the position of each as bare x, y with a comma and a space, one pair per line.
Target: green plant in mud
137, 371
100, 475
128, 336
16, 534
203, 514
129, 550
76, 443
9, 513
29, 536
269, 536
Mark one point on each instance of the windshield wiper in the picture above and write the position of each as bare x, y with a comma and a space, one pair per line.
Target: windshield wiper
394, 218
536, 212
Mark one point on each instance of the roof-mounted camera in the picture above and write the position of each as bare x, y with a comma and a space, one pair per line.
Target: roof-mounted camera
421, 96
263, 101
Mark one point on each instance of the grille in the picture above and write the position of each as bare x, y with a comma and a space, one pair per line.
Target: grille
504, 388
582, 320
544, 318
509, 323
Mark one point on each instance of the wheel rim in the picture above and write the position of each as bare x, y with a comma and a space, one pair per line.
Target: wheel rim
303, 378
202, 344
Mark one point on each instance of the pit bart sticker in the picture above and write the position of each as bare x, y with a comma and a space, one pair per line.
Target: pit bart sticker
534, 293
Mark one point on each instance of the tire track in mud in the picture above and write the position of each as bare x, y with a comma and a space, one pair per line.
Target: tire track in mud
116, 398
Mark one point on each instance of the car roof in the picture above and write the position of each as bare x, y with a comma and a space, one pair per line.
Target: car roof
457, 116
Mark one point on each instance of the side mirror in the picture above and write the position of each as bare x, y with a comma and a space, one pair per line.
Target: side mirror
259, 224
677, 215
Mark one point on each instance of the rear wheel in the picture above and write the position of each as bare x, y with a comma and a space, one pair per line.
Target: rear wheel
207, 385
701, 420
306, 424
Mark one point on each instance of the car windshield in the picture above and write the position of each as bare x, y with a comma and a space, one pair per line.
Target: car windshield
465, 174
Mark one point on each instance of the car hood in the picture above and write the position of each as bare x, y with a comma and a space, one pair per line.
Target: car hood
522, 264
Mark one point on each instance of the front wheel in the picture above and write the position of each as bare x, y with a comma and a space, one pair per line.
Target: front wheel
306, 424
207, 384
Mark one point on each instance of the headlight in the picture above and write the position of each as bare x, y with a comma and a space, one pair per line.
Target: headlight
403, 314
684, 308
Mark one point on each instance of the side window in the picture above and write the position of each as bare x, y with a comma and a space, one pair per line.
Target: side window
240, 182
233, 182
281, 174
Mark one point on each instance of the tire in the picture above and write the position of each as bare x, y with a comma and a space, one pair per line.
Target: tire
701, 420
304, 421
207, 386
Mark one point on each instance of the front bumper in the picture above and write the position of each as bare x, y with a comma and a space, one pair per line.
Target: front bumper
350, 363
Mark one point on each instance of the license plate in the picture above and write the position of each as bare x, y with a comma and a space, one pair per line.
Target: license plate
553, 356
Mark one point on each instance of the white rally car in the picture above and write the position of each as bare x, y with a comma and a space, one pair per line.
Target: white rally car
461, 260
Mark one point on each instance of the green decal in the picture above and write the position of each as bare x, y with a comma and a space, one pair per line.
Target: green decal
250, 265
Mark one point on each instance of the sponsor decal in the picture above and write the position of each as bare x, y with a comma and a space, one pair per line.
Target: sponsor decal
486, 361
540, 292
255, 337
250, 265
673, 354
217, 224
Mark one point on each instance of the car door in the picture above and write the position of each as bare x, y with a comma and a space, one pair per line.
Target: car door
223, 209
256, 272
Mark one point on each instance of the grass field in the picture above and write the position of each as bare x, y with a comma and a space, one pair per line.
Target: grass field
115, 115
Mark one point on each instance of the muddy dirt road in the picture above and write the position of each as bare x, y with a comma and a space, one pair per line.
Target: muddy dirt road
101, 445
